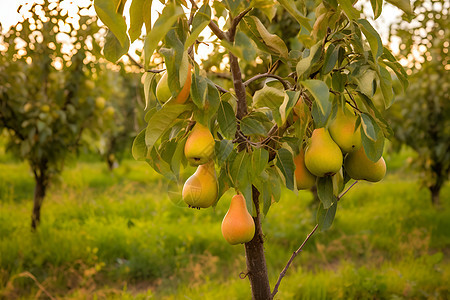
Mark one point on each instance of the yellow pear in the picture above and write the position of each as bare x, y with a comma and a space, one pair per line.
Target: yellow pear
342, 131
163, 92
200, 190
238, 225
323, 156
305, 180
358, 166
199, 148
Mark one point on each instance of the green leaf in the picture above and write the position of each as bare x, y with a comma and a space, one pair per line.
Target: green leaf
350, 11
164, 23
372, 36
178, 157
337, 82
251, 126
305, 64
149, 85
325, 217
290, 7
325, 191
290, 99
285, 163
139, 9
263, 185
331, 57
404, 5
260, 158
320, 92
199, 22
365, 82
275, 184
113, 49
272, 41
223, 150
268, 7
240, 168
386, 85
199, 89
226, 120
378, 117
377, 7
233, 6
246, 47
369, 126
106, 11
272, 98
373, 149
139, 150
161, 121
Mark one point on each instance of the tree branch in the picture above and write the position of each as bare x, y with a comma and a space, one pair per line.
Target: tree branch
217, 31
283, 273
238, 87
234, 23
285, 83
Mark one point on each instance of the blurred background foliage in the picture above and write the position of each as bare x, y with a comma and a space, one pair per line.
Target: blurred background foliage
110, 229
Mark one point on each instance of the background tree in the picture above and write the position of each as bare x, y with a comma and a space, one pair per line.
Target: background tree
338, 60
421, 117
47, 100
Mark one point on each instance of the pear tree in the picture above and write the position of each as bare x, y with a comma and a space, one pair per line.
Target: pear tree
50, 94
256, 141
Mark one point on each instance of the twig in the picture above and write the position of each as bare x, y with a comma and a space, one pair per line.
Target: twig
134, 61
283, 273
221, 89
155, 71
234, 23
286, 84
345, 192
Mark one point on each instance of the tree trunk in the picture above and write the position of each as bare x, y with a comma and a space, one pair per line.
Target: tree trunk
256, 260
435, 192
39, 195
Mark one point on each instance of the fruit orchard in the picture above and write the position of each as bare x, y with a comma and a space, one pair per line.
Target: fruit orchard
313, 120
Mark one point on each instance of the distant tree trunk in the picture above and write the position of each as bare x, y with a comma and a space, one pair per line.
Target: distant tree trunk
41, 179
435, 192
256, 260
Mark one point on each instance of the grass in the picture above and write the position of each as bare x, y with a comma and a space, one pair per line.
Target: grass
119, 236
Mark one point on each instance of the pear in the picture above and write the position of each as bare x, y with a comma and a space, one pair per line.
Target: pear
163, 92
199, 147
305, 180
342, 131
323, 156
200, 190
238, 225
358, 166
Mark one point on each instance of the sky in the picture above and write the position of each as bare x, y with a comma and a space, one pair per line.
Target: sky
9, 16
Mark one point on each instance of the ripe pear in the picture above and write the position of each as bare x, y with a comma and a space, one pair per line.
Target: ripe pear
305, 180
200, 190
358, 166
342, 131
163, 92
323, 156
238, 225
199, 147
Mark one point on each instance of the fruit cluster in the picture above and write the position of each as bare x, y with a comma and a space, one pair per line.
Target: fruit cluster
325, 152
201, 189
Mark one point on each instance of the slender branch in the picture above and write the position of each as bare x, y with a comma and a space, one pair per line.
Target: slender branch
238, 87
134, 61
234, 23
285, 83
217, 31
345, 192
155, 71
221, 89
283, 273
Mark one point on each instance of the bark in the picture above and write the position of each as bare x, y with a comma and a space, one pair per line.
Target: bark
39, 195
256, 260
435, 192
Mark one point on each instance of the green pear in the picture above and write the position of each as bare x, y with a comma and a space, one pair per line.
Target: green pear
323, 156
359, 167
305, 180
199, 148
342, 131
163, 92
200, 190
238, 226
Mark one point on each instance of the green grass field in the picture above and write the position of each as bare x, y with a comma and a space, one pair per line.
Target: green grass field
117, 235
